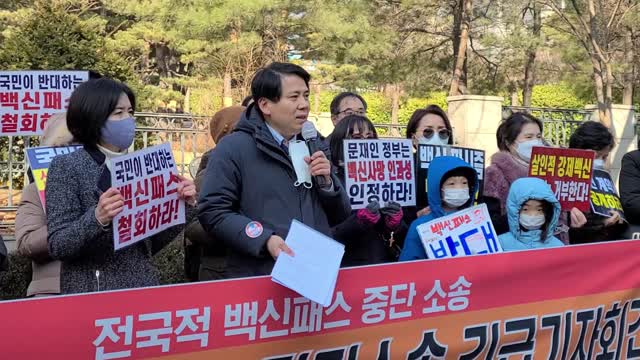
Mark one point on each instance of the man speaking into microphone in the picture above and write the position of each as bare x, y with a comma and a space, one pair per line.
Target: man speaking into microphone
263, 175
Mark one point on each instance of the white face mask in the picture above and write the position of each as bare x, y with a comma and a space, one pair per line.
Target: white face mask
456, 197
531, 222
298, 150
525, 148
434, 140
598, 164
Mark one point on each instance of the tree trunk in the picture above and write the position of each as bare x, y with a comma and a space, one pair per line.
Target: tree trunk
395, 109
629, 78
187, 101
161, 54
461, 38
315, 88
604, 109
515, 101
227, 97
530, 66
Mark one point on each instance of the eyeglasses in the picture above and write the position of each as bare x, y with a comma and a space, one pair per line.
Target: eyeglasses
348, 112
360, 136
442, 133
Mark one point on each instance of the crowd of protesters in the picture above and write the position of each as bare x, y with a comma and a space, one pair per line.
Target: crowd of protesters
246, 193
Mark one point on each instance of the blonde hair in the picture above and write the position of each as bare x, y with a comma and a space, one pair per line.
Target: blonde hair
56, 132
224, 121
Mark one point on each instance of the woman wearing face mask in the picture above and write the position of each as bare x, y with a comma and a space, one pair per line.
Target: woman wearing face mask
430, 126
533, 212
516, 138
592, 135
81, 204
369, 234
427, 126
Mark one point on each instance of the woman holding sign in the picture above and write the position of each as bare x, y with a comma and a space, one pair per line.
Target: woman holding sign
592, 135
516, 137
369, 233
80, 202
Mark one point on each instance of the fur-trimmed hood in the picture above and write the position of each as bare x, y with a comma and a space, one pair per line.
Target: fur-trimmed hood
512, 167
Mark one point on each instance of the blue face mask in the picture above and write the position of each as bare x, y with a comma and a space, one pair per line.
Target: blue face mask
119, 133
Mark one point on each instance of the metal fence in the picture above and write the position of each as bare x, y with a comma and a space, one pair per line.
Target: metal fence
559, 124
188, 135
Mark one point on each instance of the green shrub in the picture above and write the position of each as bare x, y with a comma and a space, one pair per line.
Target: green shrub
559, 95
170, 262
412, 104
14, 282
378, 107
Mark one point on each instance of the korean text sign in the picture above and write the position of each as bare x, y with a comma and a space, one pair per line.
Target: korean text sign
148, 181
470, 307
604, 197
466, 232
567, 171
380, 170
426, 154
39, 159
29, 98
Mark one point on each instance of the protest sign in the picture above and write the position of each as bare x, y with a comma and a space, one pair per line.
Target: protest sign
39, 159
147, 179
426, 154
466, 232
29, 98
380, 170
604, 197
567, 171
501, 306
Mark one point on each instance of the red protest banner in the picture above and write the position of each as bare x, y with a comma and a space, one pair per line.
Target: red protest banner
488, 306
567, 171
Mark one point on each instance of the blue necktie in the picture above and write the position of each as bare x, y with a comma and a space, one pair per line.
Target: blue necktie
284, 145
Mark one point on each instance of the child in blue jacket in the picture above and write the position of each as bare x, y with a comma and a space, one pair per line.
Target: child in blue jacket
533, 212
451, 186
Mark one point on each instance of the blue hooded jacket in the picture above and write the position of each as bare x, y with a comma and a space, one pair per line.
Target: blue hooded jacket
521, 191
438, 170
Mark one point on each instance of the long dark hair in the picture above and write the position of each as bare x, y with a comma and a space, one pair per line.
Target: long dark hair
344, 130
417, 115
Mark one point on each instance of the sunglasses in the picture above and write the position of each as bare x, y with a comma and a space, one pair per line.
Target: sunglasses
442, 133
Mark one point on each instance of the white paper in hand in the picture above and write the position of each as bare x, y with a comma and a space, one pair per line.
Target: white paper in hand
313, 271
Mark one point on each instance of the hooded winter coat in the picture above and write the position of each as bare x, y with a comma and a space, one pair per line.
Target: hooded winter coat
521, 191
439, 169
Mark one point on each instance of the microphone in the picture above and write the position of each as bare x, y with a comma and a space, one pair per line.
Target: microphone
310, 136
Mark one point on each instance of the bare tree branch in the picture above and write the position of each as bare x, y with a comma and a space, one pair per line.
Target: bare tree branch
613, 14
